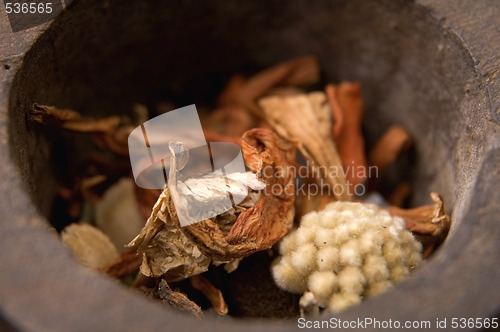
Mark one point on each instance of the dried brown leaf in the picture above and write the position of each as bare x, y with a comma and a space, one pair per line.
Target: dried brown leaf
178, 253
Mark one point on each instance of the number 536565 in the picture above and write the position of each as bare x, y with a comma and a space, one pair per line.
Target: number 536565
28, 8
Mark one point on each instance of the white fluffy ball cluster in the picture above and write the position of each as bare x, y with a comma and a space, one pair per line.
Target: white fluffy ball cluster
345, 252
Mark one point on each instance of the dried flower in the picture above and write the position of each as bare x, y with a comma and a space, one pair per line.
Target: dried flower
345, 252
255, 224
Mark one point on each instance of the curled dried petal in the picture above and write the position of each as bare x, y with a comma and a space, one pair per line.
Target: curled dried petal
213, 294
304, 120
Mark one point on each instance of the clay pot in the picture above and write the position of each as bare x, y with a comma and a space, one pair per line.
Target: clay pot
429, 65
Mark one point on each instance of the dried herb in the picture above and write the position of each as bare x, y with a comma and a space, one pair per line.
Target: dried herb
178, 300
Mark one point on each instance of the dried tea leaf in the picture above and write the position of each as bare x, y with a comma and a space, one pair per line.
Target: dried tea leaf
213, 294
89, 245
304, 120
427, 219
117, 213
255, 224
346, 103
178, 300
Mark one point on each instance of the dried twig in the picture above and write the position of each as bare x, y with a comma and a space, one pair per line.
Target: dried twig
178, 300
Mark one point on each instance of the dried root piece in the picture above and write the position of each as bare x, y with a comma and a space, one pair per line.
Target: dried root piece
255, 224
304, 120
346, 104
89, 245
213, 294
178, 300
427, 219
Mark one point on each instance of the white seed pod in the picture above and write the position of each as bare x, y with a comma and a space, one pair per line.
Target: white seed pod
303, 259
327, 259
351, 280
341, 301
370, 242
341, 235
375, 269
323, 284
288, 244
399, 273
393, 254
286, 277
377, 288
364, 247
310, 219
350, 254
325, 238
305, 235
